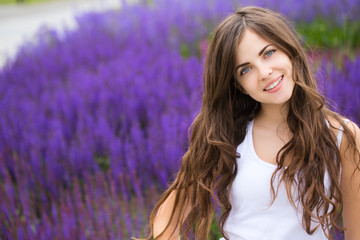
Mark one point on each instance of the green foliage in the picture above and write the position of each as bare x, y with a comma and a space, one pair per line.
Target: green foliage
185, 51
323, 33
102, 161
214, 229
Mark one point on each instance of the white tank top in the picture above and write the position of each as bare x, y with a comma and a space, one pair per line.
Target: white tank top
252, 217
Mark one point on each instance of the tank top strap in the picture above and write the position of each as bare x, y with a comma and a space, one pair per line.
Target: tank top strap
340, 133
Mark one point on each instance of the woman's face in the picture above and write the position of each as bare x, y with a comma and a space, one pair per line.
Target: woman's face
263, 71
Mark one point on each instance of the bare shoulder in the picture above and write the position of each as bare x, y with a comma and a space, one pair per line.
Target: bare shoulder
350, 155
347, 141
350, 181
354, 128
335, 126
350, 142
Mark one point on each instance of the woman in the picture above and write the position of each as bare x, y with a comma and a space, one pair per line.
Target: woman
265, 147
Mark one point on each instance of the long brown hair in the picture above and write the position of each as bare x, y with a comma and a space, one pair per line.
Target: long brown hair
209, 166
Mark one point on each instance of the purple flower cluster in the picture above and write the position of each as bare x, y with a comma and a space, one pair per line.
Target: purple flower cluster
91, 208
93, 123
113, 99
341, 84
307, 10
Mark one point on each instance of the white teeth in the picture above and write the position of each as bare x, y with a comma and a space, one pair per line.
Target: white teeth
274, 84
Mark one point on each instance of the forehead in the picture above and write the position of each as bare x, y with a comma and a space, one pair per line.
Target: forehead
249, 46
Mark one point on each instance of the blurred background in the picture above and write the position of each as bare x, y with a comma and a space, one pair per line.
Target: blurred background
96, 97
20, 20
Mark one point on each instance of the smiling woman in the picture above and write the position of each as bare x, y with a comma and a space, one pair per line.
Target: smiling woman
265, 146
271, 66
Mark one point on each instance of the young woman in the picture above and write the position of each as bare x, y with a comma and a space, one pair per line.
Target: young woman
265, 147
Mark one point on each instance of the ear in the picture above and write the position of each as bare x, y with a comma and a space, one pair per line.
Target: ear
238, 86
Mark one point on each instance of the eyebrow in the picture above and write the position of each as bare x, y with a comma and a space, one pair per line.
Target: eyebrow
260, 53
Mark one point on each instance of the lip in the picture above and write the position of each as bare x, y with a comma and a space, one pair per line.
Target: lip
272, 81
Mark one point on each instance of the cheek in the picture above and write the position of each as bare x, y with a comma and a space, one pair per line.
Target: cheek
288, 65
249, 86
290, 68
282, 60
291, 73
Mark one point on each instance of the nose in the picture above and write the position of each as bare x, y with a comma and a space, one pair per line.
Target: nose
265, 72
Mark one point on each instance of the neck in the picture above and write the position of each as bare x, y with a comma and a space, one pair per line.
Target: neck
273, 115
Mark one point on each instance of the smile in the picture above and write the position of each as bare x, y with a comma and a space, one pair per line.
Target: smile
276, 83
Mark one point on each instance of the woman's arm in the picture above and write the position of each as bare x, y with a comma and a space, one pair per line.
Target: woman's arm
350, 185
163, 216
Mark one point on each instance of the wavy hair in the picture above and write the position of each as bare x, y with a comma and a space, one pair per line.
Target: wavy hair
209, 166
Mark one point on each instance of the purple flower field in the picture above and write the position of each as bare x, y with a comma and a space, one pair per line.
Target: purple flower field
335, 11
93, 124
341, 84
